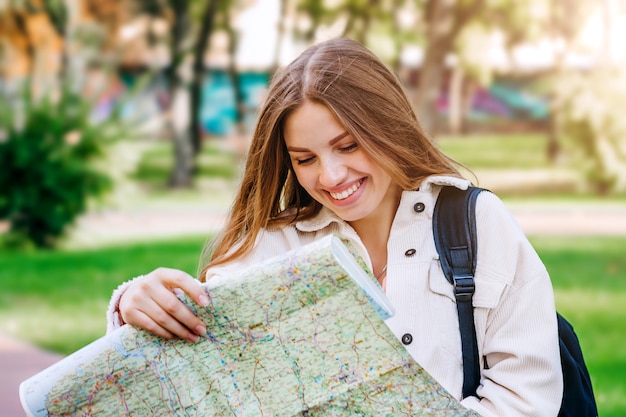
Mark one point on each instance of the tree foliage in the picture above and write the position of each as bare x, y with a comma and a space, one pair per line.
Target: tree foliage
593, 127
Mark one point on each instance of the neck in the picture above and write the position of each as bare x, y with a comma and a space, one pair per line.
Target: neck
377, 225
374, 230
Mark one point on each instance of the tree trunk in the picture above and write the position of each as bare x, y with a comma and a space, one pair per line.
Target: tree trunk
431, 77
178, 123
20, 23
233, 75
467, 100
360, 21
446, 18
553, 148
178, 111
206, 27
455, 101
59, 18
440, 34
281, 30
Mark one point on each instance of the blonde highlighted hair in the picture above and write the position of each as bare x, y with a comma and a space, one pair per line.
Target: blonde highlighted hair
368, 101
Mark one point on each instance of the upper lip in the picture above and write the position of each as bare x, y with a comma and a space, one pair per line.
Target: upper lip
344, 188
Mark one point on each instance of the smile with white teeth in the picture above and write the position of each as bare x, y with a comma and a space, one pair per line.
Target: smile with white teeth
346, 193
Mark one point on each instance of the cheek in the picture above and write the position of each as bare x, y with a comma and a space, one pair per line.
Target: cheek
304, 178
362, 161
380, 176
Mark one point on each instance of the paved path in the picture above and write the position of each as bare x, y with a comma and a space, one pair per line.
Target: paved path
19, 361
544, 219
571, 219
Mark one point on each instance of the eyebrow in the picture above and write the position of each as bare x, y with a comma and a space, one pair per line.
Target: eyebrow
331, 143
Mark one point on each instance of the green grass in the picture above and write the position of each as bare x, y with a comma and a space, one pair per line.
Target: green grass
494, 151
589, 277
516, 165
157, 162
485, 151
513, 165
57, 300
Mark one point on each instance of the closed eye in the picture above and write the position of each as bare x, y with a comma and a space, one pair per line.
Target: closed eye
304, 161
349, 148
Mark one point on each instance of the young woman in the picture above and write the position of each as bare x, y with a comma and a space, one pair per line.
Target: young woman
338, 150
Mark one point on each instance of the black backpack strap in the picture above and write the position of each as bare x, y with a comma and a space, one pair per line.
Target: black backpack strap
454, 231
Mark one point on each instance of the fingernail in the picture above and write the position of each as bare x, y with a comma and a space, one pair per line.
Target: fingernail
203, 300
193, 338
201, 330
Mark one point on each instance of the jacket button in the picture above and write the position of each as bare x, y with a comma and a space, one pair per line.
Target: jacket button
407, 339
419, 207
410, 252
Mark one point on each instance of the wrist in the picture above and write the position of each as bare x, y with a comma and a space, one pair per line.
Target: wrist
114, 315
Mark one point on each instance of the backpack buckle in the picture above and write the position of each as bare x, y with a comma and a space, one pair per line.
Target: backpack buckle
463, 287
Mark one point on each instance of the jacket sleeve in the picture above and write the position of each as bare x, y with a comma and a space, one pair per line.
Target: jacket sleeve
113, 316
517, 335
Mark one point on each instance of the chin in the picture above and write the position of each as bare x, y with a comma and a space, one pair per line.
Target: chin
349, 217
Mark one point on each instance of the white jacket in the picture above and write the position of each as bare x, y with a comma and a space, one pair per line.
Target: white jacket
514, 304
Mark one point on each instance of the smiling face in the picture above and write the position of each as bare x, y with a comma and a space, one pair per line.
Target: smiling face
334, 170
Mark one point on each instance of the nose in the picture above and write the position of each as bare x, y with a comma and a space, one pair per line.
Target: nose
332, 171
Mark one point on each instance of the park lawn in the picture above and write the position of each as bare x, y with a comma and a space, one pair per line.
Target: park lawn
57, 300
589, 278
498, 151
485, 151
512, 165
157, 161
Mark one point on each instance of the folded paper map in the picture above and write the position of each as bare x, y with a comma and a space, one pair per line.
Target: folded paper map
302, 334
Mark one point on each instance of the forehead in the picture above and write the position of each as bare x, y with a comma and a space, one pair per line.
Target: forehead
311, 123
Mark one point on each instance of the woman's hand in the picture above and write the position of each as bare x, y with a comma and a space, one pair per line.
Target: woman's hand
150, 303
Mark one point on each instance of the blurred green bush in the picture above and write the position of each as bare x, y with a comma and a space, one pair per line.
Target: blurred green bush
51, 157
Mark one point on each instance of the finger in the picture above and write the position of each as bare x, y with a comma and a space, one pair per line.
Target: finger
189, 285
152, 296
158, 321
139, 318
171, 313
144, 321
154, 328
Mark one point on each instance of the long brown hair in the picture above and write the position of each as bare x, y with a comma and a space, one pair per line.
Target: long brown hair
366, 98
